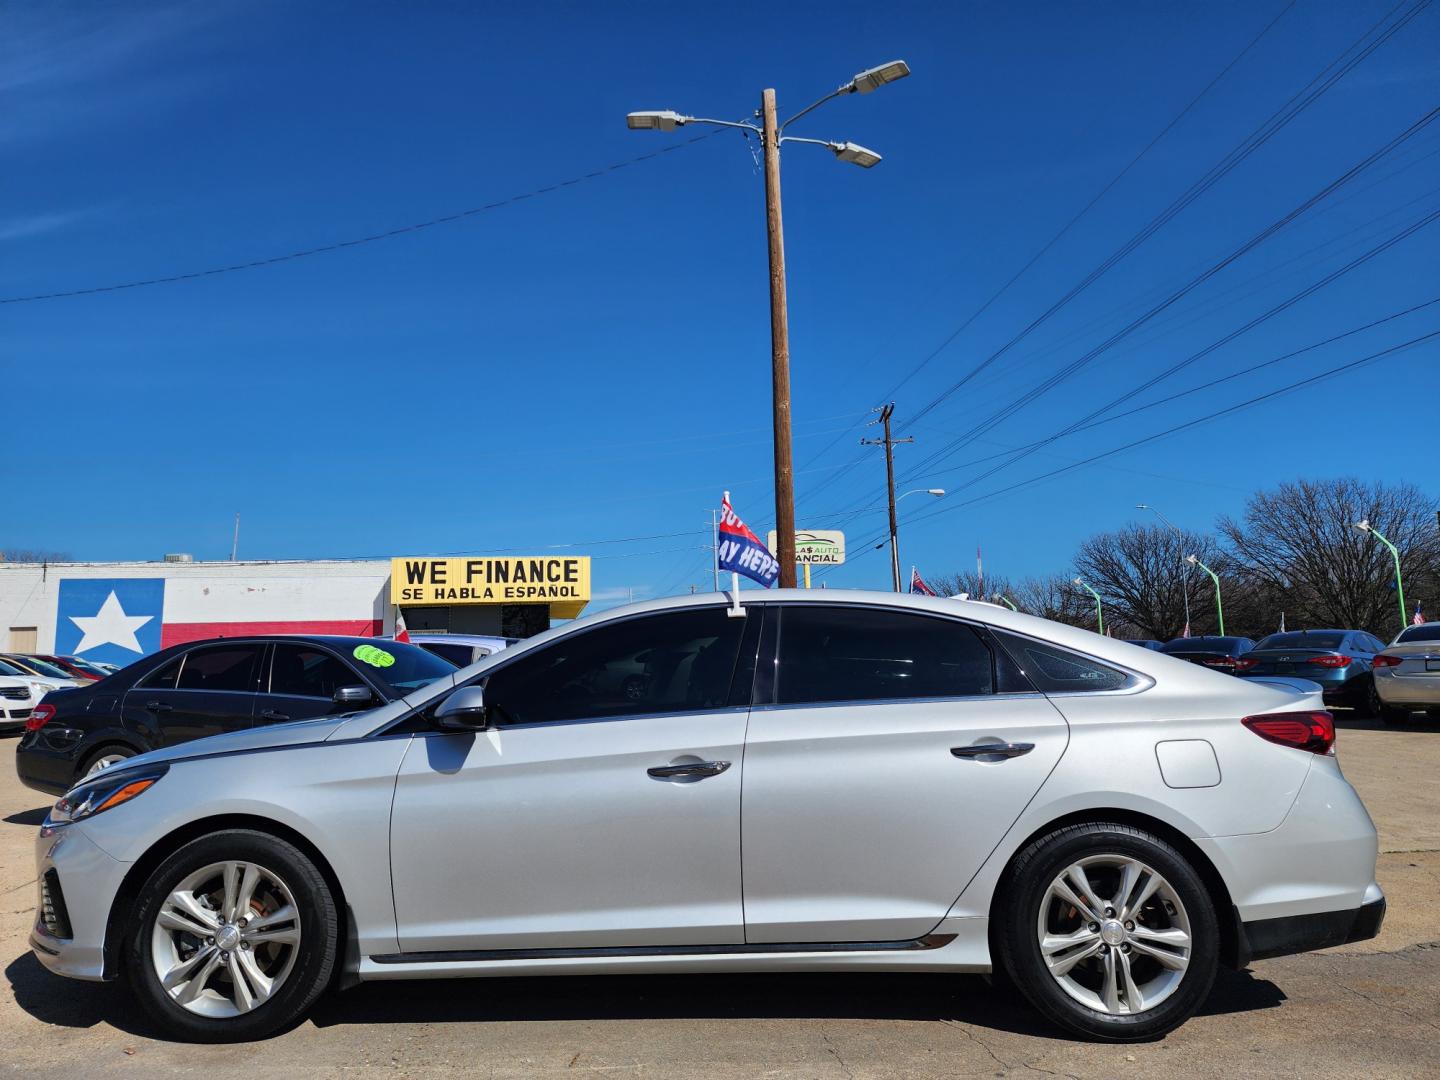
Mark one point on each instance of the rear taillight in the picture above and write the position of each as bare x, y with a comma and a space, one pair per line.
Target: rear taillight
1338, 660
1218, 661
1387, 661
39, 717
1244, 663
1313, 731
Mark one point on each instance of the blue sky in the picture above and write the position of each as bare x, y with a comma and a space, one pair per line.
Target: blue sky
593, 363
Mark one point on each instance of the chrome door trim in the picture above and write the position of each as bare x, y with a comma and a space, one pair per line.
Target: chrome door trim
930, 941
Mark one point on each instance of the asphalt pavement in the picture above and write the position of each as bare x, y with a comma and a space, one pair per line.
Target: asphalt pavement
1370, 1009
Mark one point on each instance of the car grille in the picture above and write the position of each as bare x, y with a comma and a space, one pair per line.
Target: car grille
20, 714
52, 906
15, 693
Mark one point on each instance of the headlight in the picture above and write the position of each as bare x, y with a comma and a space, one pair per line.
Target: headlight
104, 792
46, 687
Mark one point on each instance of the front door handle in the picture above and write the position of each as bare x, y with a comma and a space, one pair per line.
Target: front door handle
271, 714
157, 706
994, 749
697, 769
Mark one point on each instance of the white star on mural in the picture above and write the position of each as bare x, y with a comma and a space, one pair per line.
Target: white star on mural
110, 626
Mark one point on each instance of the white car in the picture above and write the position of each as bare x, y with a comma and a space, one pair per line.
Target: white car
18, 698
1407, 673
928, 785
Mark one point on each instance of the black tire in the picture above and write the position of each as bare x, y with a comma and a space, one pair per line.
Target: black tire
316, 954
1018, 912
114, 750
1367, 701
1394, 715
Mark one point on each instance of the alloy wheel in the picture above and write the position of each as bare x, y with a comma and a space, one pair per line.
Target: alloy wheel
104, 762
1114, 934
225, 939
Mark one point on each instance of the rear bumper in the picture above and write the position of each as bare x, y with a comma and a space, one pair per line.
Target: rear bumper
1265, 938
1417, 691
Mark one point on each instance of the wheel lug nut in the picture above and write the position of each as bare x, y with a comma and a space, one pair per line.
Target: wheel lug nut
1109, 912
1129, 926
1125, 947
1104, 948
1094, 927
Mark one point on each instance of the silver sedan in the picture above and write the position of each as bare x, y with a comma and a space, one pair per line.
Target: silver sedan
1407, 673
928, 785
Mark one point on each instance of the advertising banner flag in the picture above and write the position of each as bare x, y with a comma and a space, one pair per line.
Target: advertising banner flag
741, 551
917, 584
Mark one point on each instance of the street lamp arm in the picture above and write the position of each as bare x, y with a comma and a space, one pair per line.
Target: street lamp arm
848, 88
722, 123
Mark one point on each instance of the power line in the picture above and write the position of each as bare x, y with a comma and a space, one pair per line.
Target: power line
1252, 142
358, 241
1265, 234
1248, 403
1278, 120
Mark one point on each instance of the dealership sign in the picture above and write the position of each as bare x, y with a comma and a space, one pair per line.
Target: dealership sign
561, 580
817, 547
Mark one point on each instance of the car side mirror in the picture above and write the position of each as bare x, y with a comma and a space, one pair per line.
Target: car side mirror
464, 710
354, 695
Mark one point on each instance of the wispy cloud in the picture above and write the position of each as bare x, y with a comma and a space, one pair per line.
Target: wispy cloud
62, 64
17, 228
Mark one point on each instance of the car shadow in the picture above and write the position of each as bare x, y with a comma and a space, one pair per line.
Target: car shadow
1347, 720
967, 999
27, 817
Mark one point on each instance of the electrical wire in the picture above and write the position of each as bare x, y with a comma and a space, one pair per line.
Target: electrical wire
358, 241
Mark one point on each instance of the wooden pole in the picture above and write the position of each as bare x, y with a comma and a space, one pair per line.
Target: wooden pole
779, 349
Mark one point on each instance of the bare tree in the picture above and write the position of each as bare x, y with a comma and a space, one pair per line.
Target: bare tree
1053, 597
968, 582
33, 555
1140, 573
1300, 540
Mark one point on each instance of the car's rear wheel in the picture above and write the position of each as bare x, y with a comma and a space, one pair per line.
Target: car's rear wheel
1108, 931
234, 937
1394, 715
1369, 703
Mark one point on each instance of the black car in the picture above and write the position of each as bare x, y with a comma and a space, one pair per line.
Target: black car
1220, 653
209, 687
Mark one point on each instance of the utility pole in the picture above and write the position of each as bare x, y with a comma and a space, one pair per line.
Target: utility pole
235, 540
889, 443
779, 346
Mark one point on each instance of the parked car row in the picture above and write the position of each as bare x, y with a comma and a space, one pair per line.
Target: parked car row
1352, 667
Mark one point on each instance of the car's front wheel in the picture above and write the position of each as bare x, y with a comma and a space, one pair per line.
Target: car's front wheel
1108, 931
234, 936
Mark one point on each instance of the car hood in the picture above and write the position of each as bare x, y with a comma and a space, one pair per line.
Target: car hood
262, 738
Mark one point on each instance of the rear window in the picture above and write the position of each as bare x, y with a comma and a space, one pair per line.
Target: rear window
1302, 640
459, 655
1059, 671
1420, 633
1201, 645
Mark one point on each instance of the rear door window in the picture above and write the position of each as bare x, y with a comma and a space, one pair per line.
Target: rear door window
305, 671
1059, 671
165, 677
831, 653
220, 667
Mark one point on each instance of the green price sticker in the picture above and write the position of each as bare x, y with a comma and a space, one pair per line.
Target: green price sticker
369, 654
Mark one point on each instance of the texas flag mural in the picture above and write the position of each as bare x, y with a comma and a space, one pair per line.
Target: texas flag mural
113, 620
741, 551
119, 620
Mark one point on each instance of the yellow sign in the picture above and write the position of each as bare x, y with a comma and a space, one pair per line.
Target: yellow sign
563, 582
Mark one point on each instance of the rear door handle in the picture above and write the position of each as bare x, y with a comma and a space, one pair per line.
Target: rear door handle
271, 714
157, 706
697, 769
994, 749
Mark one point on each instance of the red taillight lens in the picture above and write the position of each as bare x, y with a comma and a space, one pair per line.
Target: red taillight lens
1219, 661
1241, 663
39, 717
1338, 660
1387, 661
1313, 731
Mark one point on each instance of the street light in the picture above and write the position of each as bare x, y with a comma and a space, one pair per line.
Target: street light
895, 532
771, 133
1364, 526
1185, 571
1194, 560
1099, 611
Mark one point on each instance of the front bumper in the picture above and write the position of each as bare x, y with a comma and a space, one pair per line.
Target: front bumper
1265, 938
88, 880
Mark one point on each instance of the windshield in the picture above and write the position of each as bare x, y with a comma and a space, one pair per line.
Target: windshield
401, 666
86, 665
1320, 639
45, 668
7, 668
1430, 632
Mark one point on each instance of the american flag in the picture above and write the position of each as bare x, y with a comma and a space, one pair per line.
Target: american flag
917, 584
1417, 619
